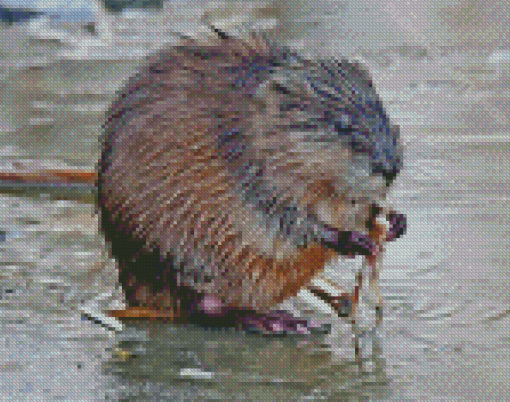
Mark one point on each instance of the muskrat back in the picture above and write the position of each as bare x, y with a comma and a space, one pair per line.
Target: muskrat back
242, 165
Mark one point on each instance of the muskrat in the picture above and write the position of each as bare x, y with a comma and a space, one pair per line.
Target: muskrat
233, 169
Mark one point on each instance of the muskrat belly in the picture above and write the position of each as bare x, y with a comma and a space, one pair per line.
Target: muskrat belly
252, 281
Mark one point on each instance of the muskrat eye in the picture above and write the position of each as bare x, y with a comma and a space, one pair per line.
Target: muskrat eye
343, 123
341, 129
287, 107
281, 89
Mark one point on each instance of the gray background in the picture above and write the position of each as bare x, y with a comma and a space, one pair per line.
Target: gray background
442, 69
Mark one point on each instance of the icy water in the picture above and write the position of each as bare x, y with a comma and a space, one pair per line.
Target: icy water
444, 73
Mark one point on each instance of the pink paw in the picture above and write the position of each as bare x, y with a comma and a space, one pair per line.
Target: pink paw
281, 323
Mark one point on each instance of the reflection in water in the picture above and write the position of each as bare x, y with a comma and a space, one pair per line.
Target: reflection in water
176, 360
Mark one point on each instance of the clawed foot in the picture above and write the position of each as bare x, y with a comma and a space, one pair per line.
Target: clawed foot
210, 311
349, 242
281, 323
353, 243
358, 243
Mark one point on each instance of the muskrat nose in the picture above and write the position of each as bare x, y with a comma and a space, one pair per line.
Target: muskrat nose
382, 148
389, 173
385, 153
376, 138
387, 162
389, 177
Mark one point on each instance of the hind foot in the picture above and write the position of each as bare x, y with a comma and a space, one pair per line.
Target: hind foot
211, 311
282, 323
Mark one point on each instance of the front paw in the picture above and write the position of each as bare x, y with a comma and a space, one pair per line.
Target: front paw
349, 242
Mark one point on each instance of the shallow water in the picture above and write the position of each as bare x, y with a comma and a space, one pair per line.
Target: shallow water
445, 284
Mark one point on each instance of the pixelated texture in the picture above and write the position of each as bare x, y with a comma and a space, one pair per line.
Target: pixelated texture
242, 168
302, 152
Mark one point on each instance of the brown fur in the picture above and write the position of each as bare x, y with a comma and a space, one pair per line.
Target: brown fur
167, 188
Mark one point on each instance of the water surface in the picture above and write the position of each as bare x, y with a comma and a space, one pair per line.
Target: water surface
445, 284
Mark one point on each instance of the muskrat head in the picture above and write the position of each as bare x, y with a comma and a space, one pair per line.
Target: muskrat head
322, 122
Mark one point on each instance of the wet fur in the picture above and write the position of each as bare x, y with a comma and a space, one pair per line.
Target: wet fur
206, 152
